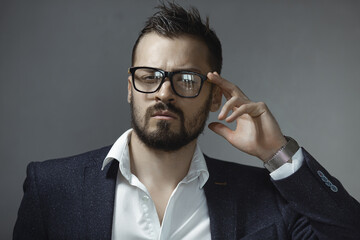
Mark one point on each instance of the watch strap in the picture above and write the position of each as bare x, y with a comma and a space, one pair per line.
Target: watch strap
282, 156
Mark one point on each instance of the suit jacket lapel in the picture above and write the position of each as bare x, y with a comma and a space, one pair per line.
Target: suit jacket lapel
98, 202
222, 207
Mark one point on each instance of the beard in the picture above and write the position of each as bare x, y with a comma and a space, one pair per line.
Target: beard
164, 138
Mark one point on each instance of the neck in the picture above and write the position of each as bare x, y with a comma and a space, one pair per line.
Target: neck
157, 167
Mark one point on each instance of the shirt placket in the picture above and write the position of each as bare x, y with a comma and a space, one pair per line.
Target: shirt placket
152, 226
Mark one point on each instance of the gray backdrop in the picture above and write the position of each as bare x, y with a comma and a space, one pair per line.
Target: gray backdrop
63, 72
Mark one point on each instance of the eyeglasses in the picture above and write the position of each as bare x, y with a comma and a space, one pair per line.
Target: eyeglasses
184, 83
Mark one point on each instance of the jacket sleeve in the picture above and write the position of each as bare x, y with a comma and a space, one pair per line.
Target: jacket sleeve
324, 207
29, 223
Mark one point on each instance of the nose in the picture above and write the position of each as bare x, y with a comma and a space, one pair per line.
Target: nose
165, 93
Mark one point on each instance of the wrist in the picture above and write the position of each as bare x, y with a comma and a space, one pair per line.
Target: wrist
283, 155
267, 155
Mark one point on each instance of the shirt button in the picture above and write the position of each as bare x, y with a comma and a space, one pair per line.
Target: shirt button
145, 198
145, 208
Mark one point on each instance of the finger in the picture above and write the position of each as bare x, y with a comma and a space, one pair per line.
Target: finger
220, 129
231, 104
253, 109
229, 89
226, 87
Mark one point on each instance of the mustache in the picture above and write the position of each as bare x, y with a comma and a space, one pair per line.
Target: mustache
164, 107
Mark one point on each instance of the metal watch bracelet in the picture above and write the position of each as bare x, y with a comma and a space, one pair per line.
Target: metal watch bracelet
282, 156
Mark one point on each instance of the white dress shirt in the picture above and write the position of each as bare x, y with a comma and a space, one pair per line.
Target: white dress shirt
186, 215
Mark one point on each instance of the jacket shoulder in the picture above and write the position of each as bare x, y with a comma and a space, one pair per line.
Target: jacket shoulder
71, 166
82, 159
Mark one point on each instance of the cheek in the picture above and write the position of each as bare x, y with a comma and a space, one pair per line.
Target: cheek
140, 100
137, 105
190, 110
193, 109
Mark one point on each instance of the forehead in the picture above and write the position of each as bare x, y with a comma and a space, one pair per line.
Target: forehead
181, 52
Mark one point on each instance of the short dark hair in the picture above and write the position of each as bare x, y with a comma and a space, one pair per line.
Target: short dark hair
172, 20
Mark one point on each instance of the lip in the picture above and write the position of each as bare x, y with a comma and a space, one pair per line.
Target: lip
165, 115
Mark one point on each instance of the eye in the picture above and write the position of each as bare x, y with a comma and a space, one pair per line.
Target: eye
150, 77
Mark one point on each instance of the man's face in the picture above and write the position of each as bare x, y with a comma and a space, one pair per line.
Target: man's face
164, 120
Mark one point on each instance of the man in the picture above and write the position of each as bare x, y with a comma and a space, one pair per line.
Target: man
155, 183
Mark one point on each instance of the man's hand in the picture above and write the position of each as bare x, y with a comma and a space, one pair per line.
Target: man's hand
257, 132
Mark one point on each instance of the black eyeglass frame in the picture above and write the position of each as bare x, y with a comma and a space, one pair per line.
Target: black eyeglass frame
165, 75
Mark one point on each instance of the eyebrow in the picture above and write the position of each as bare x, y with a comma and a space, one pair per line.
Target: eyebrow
187, 69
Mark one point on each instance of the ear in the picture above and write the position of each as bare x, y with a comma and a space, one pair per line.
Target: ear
216, 99
129, 89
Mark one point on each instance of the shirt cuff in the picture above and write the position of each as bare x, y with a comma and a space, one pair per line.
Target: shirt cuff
289, 168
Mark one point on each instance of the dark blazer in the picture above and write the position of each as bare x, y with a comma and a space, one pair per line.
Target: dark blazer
72, 198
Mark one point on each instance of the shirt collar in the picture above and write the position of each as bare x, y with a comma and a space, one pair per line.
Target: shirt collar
197, 168
120, 152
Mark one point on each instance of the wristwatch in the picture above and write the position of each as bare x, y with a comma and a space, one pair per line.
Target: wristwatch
282, 156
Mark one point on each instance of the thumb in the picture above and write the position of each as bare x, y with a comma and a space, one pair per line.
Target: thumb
220, 129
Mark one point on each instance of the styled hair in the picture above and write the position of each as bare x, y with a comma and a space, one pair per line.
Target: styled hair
171, 20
